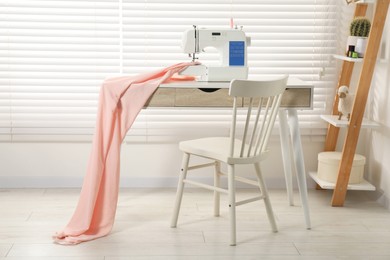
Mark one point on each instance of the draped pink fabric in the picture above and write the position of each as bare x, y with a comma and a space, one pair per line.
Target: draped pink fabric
120, 101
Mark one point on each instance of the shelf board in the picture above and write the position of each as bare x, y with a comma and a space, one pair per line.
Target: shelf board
364, 185
333, 120
342, 57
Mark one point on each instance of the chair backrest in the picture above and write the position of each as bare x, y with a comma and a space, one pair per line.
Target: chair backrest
258, 127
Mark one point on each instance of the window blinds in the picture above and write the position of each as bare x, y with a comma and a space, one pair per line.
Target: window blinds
55, 54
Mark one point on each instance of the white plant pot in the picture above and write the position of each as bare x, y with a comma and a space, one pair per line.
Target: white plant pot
360, 46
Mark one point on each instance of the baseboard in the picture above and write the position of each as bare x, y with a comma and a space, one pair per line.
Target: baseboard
7, 182
383, 199
39, 182
379, 196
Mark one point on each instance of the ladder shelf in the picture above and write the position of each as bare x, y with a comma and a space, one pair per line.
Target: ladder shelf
356, 119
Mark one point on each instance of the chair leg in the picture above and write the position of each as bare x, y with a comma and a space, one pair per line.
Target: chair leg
180, 188
232, 204
267, 201
217, 179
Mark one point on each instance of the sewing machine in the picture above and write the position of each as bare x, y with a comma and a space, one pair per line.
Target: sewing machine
231, 45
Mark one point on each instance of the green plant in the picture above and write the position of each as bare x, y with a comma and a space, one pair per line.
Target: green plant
360, 26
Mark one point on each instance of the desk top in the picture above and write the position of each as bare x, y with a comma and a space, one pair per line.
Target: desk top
291, 83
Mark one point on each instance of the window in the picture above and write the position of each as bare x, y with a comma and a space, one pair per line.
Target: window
55, 54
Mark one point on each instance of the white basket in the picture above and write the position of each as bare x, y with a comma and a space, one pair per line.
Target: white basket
328, 167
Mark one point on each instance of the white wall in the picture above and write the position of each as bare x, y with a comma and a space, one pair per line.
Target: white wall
378, 141
63, 164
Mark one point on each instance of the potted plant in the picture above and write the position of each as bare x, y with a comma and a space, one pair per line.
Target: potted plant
359, 30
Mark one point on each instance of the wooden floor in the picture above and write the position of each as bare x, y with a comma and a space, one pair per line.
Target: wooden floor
360, 230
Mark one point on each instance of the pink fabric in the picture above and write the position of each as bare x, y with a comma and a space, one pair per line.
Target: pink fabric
120, 101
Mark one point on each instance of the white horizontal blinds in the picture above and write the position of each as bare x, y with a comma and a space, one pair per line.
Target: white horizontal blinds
283, 32
296, 39
288, 37
53, 57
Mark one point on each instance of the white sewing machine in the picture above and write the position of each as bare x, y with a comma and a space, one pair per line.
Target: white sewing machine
231, 45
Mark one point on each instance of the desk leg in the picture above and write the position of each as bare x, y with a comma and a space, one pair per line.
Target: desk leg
286, 154
299, 162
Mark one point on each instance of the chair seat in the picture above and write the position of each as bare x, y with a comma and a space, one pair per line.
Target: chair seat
218, 148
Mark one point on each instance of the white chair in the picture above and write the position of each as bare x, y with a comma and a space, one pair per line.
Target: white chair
248, 148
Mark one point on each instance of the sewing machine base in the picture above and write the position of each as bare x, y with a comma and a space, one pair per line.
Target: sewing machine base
204, 73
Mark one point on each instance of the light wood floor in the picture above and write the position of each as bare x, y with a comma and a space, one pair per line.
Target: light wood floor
360, 230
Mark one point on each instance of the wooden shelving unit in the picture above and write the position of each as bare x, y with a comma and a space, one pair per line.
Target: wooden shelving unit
356, 121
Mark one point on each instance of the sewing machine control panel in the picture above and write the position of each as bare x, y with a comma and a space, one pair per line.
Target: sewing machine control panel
236, 53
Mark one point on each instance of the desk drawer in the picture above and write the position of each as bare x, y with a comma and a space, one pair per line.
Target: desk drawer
292, 98
297, 97
163, 97
194, 97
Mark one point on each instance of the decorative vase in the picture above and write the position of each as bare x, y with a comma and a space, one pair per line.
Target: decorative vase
360, 46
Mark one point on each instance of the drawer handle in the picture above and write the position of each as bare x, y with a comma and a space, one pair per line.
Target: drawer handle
209, 90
